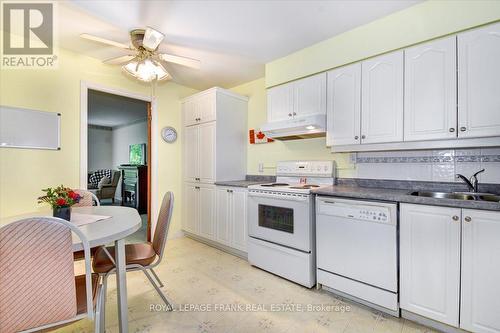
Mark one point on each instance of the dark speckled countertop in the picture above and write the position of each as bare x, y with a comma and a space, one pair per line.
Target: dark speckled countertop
400, 195
249, 180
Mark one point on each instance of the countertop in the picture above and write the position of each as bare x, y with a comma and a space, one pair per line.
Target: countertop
397, 195
239, 183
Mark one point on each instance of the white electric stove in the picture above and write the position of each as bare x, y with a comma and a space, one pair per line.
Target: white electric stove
281, 220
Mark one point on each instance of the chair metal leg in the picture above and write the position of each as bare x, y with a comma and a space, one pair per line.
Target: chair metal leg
160, 284
158, 290
97, 315
102, 319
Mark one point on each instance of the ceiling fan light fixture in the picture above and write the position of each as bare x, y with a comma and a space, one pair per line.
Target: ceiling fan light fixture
152, 38
147, 70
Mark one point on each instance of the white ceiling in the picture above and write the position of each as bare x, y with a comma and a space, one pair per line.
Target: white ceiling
112, 110
233, 39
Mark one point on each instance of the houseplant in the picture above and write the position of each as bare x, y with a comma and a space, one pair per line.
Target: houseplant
61, 199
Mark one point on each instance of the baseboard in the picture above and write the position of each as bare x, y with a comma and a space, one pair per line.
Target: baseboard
430, 323
177, 234
230, 250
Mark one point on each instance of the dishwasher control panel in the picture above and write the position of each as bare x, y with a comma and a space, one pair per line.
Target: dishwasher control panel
356, 211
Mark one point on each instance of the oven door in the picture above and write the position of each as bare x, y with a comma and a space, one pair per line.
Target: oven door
281, 218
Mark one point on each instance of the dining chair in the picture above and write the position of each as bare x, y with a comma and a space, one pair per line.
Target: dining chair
38, 286
141, 256
88, 199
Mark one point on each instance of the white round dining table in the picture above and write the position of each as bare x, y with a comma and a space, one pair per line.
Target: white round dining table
122, 222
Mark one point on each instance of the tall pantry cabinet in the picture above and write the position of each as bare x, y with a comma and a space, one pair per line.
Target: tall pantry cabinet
214, 149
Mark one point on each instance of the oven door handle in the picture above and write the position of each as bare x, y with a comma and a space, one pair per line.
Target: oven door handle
292, 197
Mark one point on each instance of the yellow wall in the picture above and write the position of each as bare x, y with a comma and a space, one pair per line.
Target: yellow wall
24, 172
270, 153
413, 25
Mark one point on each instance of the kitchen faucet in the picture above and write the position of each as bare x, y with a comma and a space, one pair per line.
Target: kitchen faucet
473, 183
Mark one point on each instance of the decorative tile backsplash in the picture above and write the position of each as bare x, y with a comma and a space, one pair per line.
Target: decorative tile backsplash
429, 165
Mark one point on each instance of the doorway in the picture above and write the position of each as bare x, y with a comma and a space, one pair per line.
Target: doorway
117, 143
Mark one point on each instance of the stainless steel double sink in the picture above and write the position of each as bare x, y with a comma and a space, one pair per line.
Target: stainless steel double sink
458, 195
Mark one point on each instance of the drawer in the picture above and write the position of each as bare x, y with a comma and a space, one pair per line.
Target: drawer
130, 173
129, 187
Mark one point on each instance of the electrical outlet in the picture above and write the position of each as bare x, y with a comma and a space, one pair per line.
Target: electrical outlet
261, 167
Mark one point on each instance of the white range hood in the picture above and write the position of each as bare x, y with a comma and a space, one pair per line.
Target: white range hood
298, 128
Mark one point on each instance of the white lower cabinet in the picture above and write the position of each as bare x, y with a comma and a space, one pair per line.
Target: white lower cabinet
480, 300
449, 267
430, 261
199, 209
216, 213
231, 221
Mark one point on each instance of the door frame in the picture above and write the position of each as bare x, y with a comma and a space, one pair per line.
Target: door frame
85, 86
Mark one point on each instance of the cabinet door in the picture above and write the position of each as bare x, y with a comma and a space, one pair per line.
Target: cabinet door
223, 232
480, 301
206, 107
430, 110
206, 152
191, 208
190, 111
206, 211
382, 99
343, 105
310, 96
430, 261
191, 161
239, 218
280, 102
479, 82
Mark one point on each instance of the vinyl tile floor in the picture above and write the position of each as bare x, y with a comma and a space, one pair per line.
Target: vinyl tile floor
213, 291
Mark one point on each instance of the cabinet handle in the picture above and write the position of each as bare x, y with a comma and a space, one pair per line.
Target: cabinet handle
468, 219
289, 115
463, 128
356, 137
455, 218
363, 137
294, 114
197, 187
451, 130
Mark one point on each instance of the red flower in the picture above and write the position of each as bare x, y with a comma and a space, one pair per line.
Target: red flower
73, 195
61, 202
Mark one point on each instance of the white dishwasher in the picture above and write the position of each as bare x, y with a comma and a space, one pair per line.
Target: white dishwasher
356, 249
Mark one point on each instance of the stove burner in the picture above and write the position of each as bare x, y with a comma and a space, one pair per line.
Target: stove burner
275, 184
304, 187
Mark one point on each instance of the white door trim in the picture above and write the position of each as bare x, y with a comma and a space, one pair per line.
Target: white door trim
84, 87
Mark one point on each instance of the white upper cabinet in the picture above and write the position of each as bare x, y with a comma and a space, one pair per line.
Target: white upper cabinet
280, 103
310, 96
479, 82
298, 98
344, 105
382, 99
430, 111
190, 112
206, 152
206, 108
215, 144
191, 148
430, 261
480, 301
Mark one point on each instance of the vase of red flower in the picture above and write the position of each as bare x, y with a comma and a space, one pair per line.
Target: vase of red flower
61, 199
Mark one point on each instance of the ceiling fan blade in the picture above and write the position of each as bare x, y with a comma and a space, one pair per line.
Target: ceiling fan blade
184, 61
152, 39
104, 41
119, 60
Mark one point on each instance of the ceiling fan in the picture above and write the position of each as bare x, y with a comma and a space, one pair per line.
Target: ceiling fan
143, 60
